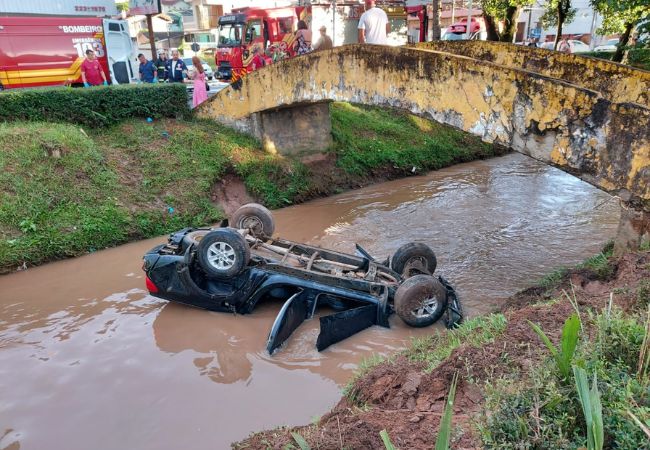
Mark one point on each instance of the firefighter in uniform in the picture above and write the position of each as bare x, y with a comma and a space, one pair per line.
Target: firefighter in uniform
161, 63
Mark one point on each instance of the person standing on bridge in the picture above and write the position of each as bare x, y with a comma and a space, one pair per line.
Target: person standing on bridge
324, 42
303, 38
373, 25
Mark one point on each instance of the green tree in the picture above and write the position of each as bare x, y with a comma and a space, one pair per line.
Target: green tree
621, 16
506, 11
557, 13
122, 6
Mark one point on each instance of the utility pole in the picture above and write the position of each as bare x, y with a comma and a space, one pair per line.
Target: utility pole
530, 13
594, 18
469, 20
152, 40
333, 23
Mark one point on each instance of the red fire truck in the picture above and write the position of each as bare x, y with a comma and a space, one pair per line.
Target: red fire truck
48, 51
269, 32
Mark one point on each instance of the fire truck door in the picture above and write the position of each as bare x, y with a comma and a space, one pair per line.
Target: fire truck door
254, 33
119, 51
267, 38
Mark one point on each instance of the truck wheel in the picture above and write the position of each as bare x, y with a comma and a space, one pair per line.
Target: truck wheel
255, 218
420, 301
223, 253
194, 237
414, 258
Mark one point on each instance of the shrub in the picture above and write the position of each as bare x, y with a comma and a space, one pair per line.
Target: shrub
98, 106
636, 57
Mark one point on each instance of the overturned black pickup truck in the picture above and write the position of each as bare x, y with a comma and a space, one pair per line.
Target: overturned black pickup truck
232, 267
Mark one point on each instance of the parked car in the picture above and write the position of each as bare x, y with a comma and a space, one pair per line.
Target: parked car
575, 46
608, 46
458, 31
233, 268
206, 68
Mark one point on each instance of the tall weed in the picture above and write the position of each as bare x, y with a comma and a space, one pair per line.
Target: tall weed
568, 343
591, 408
444, 434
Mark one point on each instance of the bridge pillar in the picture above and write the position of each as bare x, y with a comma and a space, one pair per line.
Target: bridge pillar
633, 230
299, 130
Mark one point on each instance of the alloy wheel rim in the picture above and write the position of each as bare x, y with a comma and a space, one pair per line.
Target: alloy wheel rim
426, 308
221, 256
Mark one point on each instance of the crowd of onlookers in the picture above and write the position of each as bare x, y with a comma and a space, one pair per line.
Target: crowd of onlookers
373, 29
172, 70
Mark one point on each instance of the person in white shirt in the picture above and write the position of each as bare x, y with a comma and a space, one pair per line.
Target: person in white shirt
373, 25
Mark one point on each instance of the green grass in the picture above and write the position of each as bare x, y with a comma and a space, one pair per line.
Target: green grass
542, 411
369, 139
474, 332
65, 190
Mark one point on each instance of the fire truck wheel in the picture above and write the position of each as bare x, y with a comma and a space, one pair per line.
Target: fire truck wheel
223, 253
420, 301
256, 218
412, 259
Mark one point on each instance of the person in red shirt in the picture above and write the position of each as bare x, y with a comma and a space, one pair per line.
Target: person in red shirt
92, 73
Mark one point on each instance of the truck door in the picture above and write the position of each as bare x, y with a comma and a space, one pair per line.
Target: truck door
254, 37
119, 51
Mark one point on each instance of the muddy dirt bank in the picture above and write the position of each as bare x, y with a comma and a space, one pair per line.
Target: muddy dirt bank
405, 397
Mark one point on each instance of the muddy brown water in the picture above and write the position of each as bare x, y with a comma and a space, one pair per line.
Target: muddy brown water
89, 360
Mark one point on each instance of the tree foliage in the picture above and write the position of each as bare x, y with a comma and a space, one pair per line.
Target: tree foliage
549, 18
621, 16
505, 11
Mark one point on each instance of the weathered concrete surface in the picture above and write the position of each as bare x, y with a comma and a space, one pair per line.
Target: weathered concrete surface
616, 82
633, 230
576, 129
294, 131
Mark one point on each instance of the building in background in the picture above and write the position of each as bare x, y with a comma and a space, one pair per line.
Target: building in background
93, 8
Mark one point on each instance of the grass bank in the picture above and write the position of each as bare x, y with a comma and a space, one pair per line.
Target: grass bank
511, 393
67, 190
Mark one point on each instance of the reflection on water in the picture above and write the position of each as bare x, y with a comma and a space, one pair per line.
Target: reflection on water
89, 360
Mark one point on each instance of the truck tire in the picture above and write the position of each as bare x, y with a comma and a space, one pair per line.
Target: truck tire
255, 218
194, 237
223, 253
414, 258
420, 301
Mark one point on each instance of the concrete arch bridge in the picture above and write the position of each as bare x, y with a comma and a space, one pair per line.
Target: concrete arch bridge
588, 117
